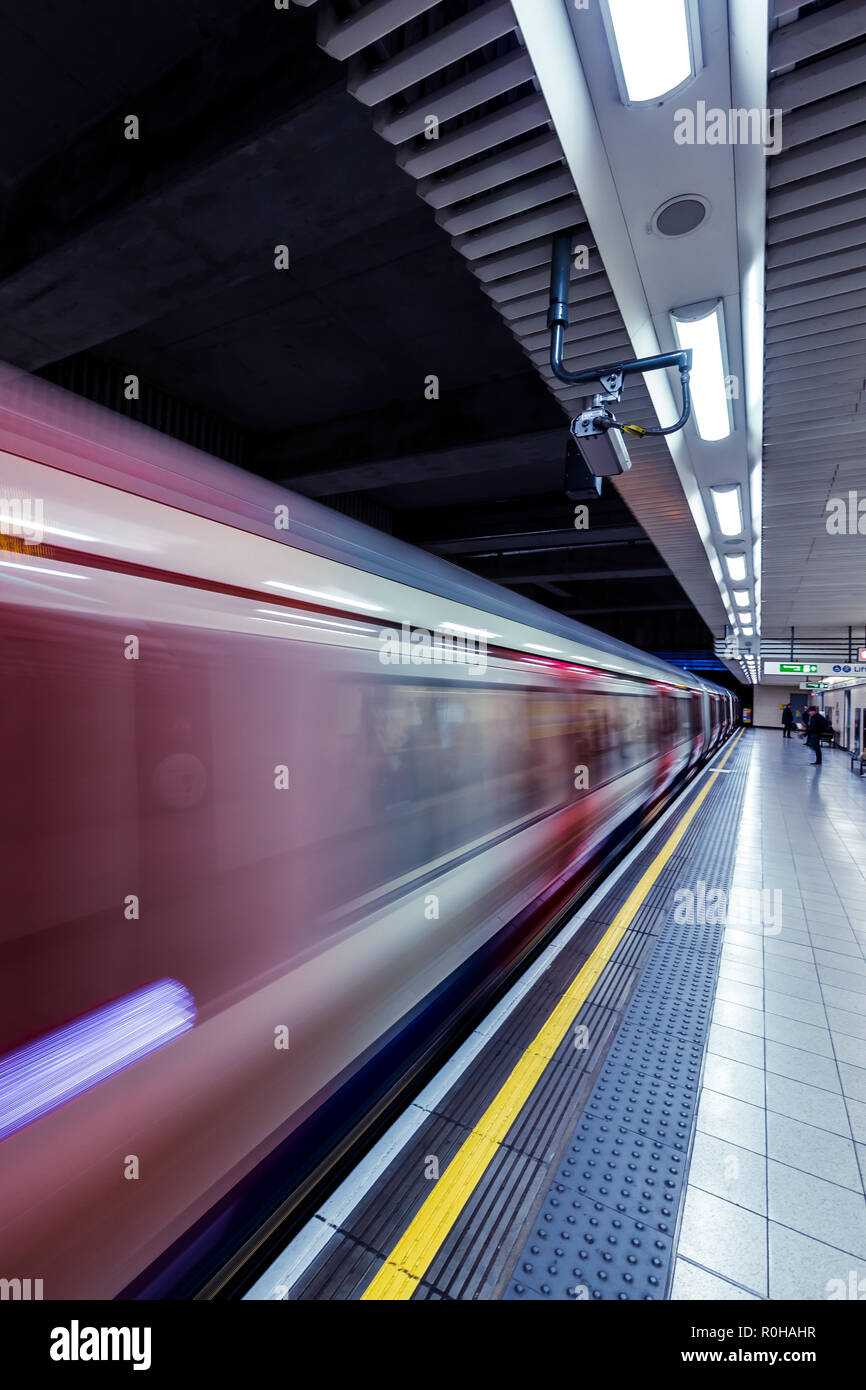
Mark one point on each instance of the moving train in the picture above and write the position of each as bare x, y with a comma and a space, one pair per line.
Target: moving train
283, 797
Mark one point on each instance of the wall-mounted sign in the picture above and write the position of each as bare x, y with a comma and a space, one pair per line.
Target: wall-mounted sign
849, 669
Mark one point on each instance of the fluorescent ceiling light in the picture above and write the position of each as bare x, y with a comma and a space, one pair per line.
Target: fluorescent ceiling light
748, 631
736, 567
741, 598
729, 511
655, 45
702, 330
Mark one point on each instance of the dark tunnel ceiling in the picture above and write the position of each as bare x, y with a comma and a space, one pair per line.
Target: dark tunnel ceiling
157, 257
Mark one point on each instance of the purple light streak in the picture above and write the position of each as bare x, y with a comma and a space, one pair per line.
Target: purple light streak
43, 1074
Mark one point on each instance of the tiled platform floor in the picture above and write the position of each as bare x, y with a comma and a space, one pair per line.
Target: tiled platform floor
775, 1203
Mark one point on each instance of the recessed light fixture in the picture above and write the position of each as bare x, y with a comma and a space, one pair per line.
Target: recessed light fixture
701, 327
729, 510
736, 567
655, 46
741, 598
748, 631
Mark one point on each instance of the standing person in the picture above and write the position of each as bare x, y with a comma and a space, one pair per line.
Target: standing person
787, 721
814, 729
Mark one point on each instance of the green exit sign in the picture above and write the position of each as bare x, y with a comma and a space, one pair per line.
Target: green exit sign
798, 669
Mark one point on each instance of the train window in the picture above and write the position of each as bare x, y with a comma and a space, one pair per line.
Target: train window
693, 715
569, 730
632, 717
668, 710
447, 764
440, 765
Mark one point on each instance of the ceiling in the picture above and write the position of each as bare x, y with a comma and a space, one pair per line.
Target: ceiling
566, 154
412, 258
781, 247
156, 257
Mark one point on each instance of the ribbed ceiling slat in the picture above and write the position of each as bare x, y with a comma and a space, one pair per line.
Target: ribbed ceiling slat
493, 172
822, 269
829, 152
459, 97
342, 39
822, 188
821, 244
825, 117
432, 53
817, 307
806, 38
523, 195
820, 79
815, 376
482, 135
817, 219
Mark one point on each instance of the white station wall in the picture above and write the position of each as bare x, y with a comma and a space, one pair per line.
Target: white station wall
766, 702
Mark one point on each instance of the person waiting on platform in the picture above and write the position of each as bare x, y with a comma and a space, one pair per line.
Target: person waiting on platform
816, 726
787, 721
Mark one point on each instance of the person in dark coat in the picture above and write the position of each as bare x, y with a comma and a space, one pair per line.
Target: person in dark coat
787, 721
814, 729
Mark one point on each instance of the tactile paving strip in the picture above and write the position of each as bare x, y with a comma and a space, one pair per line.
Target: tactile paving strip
477, 1257
607, 1226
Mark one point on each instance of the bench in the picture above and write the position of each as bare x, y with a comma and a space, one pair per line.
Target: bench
827, 737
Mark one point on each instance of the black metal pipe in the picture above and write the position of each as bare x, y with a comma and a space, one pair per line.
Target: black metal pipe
560, 277
557, 318
682, 359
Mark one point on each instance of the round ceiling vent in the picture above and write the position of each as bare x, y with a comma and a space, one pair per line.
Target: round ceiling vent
679, 216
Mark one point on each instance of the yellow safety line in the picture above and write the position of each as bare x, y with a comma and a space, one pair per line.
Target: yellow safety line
413, 1254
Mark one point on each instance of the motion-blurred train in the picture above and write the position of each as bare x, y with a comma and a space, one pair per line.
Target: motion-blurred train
282, 797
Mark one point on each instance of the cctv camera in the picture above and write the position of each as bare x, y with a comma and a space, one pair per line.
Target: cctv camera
600, 443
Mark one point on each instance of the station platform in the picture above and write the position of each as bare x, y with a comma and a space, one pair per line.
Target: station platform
670, 1103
